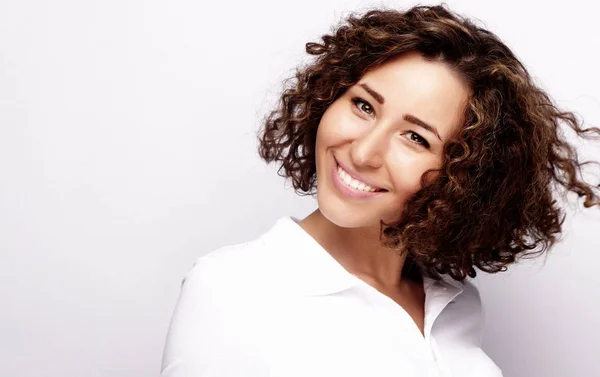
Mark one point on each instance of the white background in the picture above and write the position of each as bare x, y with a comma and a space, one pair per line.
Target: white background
127, 151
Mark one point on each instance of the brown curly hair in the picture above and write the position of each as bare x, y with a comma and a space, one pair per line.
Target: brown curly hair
492, 200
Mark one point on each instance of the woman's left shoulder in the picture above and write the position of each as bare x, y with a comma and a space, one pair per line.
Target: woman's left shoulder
466, 311
461, 324
470, 293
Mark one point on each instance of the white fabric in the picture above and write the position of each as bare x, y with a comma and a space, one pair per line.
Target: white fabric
282, 306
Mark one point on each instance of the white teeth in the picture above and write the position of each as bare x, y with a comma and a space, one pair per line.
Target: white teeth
358, 185
348, 180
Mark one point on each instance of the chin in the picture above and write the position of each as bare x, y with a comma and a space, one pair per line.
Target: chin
345, 217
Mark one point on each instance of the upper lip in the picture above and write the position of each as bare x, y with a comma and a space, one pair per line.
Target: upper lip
357, 176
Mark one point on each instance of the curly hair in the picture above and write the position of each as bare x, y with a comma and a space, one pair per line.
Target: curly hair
492, 199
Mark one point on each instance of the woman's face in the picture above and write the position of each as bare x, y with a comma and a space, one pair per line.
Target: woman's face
378, 130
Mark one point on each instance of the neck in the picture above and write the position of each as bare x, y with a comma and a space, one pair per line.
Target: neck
358, 250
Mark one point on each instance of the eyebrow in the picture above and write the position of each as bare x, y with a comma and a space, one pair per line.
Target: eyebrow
407, 117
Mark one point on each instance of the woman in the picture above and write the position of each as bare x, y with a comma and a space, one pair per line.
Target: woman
431, 152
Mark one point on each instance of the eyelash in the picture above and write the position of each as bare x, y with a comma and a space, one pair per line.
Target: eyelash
357, 101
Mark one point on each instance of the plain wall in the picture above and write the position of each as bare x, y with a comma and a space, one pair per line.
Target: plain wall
127, 150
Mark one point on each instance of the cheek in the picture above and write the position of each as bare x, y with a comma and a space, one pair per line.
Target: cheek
337, 126
407, 174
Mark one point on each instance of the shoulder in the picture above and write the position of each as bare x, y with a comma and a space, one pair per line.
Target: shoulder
468, 310
468, 300
259, 264
470, 315
215, 327
232, 256
470, 295
231, 269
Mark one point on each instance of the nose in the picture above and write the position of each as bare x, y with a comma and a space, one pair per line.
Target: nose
371, 148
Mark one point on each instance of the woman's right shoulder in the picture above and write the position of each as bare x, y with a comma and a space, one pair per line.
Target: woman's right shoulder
237, 266
243, 250
214, 325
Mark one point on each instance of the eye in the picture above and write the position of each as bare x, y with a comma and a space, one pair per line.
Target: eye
357, 101
419, 139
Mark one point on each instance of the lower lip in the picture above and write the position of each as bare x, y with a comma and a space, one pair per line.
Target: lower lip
348, 190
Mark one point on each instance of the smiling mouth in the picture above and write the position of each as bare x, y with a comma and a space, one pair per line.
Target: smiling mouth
376, 189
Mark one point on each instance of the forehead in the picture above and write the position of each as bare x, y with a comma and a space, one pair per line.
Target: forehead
428, 90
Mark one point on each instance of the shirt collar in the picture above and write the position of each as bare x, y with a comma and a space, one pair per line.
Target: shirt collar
312, 271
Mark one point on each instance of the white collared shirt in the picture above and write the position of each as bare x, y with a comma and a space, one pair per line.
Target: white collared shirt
282, 306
